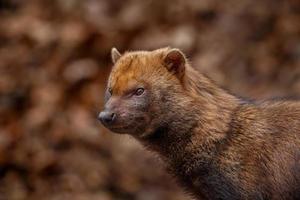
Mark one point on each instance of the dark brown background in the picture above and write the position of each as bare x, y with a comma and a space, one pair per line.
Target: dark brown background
54, 60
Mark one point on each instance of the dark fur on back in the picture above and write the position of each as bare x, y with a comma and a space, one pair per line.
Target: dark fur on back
258, 157
252, 151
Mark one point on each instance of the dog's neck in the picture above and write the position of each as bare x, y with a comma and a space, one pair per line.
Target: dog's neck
201, 120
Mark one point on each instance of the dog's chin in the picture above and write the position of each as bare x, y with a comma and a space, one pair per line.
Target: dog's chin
131, 130
118, 130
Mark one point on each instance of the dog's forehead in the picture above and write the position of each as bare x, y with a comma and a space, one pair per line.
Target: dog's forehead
126, 72
133, 67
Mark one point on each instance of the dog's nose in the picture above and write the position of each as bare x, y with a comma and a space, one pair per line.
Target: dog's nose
107, 117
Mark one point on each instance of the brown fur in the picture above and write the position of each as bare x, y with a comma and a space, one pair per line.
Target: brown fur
217, 145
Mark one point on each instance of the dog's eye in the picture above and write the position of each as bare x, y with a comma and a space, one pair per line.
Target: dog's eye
110, 91
139, 91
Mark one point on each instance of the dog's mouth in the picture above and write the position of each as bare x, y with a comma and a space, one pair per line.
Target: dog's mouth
133, 125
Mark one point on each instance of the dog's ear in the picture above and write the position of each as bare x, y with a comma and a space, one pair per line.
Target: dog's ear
115, 55
175, 62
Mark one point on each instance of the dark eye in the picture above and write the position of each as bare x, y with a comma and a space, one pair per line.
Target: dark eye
139, 92
110, 91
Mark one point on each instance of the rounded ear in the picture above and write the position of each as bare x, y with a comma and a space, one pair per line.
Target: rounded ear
175, 62
115, 55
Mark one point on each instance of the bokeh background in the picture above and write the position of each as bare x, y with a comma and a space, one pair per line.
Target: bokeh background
54, 62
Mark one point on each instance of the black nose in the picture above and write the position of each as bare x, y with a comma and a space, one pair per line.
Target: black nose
107, 117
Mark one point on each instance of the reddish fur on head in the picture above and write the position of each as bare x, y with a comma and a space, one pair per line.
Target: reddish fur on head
158, 73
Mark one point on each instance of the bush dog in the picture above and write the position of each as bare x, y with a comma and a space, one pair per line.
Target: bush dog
218, 146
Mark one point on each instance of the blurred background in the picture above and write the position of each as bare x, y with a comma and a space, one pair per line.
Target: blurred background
54, 62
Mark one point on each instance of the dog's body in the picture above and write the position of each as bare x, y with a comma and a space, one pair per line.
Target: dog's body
217, 145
